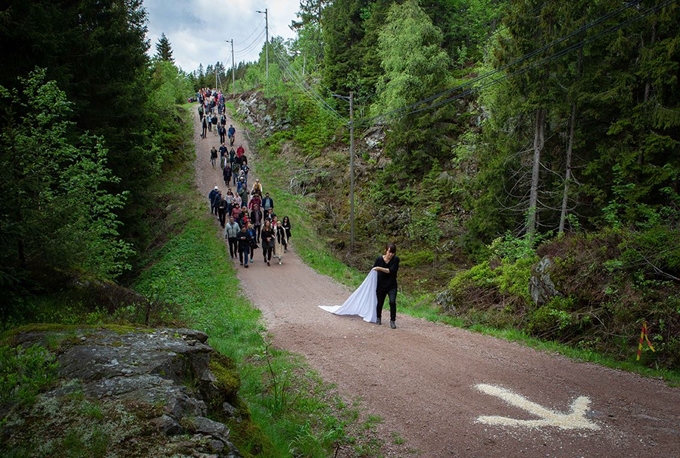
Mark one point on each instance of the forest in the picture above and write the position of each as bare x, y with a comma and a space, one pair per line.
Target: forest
489, 136
524, 156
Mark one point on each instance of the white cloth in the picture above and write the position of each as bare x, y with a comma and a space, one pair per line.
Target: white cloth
362, 302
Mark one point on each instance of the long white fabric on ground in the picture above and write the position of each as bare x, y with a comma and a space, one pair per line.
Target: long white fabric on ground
362, 302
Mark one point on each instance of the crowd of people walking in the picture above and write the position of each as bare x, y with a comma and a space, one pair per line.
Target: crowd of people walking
246, 213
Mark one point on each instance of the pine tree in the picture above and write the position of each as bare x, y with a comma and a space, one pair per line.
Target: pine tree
163, 49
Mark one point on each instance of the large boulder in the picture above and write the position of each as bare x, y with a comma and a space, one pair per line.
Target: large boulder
168, 381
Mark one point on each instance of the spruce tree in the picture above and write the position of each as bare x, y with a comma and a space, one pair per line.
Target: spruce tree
164, 50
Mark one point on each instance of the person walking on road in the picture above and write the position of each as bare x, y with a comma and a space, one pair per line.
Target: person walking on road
243, 246
211, 197
231, 132
285, 223
267, 242
387, 267
222, 210
204, 127
256, 219
267, 204
231, 232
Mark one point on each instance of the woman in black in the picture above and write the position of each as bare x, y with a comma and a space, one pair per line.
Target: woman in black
286, 226
387, 267
267, 241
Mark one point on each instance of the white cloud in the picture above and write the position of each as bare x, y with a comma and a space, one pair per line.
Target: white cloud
198, 30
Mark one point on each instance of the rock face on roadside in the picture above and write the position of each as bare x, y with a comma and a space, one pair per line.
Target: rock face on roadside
541, 286
157, 392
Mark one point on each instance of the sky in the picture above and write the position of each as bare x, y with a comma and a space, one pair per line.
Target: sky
199, 30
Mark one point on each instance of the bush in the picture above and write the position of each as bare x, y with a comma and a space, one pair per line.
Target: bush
25, 372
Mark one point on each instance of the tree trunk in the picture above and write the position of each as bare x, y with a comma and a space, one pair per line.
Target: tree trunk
567, 173
570, 149
539, 142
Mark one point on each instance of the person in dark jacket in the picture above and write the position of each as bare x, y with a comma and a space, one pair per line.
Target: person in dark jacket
226, 174
256, 219
387, 267
267, 203
211, 197
285, 223
222, 210
244, 246
267, 242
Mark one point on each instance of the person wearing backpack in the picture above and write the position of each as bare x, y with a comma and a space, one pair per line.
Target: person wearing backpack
213, 156
257, 189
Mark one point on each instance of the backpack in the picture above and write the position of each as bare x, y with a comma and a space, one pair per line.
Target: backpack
214, 120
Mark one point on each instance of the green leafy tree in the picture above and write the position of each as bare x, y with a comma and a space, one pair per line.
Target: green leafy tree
309, 42
54, 207
415, 66
95, 50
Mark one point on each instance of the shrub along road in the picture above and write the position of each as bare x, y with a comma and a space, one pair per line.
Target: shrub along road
449, 392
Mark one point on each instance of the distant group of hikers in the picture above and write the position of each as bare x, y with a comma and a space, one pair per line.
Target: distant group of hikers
213, 122
246, 215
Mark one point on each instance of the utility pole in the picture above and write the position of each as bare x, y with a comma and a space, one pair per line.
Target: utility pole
233, 70
351, 172
351, 165
266, 44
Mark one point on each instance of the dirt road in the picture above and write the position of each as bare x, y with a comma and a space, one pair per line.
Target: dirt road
452, 393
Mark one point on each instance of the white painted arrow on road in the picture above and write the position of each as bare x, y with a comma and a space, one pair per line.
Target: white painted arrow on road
574, 420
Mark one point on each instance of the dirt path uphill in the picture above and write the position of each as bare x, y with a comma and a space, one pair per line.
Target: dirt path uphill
448, 392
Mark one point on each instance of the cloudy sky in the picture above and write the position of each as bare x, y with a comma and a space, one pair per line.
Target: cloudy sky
198, 30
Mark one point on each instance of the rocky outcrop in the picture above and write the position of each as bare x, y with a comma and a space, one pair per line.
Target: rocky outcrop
541, 287
169, 381
256, 111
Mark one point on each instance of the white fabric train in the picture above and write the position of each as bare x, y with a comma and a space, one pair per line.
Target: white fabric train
362, 302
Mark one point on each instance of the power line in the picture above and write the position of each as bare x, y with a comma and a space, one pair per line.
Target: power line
252, 45
299, 81
251, 34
